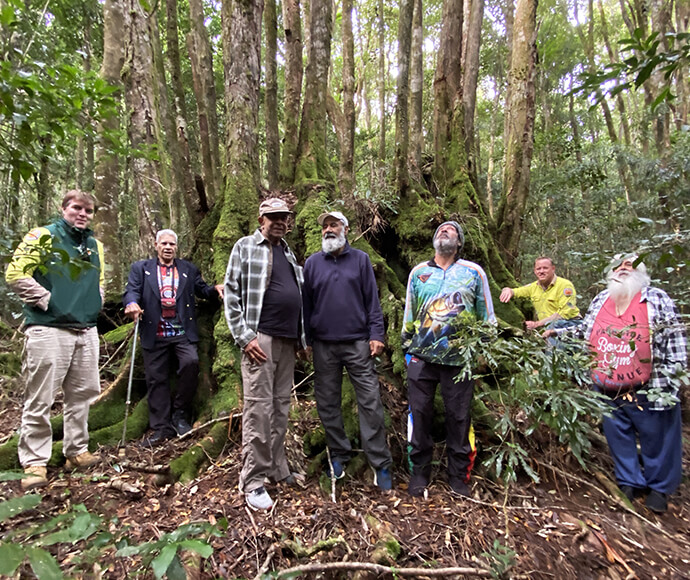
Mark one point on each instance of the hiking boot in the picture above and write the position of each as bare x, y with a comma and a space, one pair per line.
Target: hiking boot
417, 485
383, 479
258, 499
37, 477
656, 501
180, 423
459, 487
155, 439
338, 470
628, 491
81, 461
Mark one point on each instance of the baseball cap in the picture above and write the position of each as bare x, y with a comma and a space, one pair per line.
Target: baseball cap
273, 205
334, 214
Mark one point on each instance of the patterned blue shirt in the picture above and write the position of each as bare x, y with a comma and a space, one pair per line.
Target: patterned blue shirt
438, 304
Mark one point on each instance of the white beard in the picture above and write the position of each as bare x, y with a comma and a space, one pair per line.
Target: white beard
624, 287
446, 246
333, 243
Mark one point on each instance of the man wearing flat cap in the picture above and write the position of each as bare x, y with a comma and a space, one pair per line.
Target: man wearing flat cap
638, 343
444, 295
344, 327
263, 308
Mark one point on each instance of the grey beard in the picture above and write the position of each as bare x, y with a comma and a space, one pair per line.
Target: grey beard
626, 287
330, 245
445, 247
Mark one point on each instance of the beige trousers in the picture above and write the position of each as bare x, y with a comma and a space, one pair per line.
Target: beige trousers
57, 358
267, 389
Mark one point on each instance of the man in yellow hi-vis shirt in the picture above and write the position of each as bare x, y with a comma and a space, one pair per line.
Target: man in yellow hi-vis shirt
553, 298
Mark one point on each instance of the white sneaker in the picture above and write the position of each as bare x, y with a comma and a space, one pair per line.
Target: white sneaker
258, 499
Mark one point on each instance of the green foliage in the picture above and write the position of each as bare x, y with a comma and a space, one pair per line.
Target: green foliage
163, 555
92, 535
531, 388
645, 56
501, 559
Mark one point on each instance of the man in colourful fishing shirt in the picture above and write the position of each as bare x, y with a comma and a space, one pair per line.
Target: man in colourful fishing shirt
444, 296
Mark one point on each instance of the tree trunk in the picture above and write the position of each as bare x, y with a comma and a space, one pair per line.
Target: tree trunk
447, 81
205, 91
469, 83
520, 110
382, 85
143, 125
271, 95
312, 161
416, 92
346, 174
402, 123
107, 181
294, 73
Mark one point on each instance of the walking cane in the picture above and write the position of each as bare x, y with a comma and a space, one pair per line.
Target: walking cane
129, 385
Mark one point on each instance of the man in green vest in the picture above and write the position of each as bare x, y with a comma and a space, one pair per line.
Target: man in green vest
58, 273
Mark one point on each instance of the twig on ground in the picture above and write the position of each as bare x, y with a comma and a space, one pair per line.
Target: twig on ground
208, 423
125, 487
145, 468
380, 569
267, 563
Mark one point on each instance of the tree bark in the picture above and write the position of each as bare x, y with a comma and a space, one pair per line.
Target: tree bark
346, 173
312, 161
402, 122
106, 222
143, 125
271, 94
205, 92
520, 111
382, 85
469, 83
416, 92
294, 73
447, 81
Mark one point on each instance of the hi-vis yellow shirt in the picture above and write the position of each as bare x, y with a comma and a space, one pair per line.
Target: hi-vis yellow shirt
559, 298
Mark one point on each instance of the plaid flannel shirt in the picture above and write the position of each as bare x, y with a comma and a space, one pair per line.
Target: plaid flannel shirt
246, 280
669, 345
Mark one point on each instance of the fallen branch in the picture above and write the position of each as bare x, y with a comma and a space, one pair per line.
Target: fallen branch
208, 423
379, 569
106, 392
125, 487
144, 468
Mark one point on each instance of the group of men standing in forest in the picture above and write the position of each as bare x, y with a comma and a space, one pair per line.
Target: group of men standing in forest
329, 311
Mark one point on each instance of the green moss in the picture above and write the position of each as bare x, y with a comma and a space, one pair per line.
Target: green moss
8, 454
137, 424
186, 467
117, 335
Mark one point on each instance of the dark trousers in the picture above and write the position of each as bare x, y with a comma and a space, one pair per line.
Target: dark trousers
422, 378
157, 369
329, 360
658, 465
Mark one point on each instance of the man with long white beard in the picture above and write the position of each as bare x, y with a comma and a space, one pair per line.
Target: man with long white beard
444, 296
639, 346
344, 328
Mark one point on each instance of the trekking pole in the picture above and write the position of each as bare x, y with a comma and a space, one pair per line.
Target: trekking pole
129, 384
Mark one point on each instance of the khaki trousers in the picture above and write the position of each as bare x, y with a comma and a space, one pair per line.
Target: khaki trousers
267, 389
57, 358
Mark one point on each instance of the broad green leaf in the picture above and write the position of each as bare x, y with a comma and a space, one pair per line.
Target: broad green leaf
198, 546
17, 505
11, 555
43, 564
160, 563
11, 475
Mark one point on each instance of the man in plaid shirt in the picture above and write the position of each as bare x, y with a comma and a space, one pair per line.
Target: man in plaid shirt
263, 309
638, 342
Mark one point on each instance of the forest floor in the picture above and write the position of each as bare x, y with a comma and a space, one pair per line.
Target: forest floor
570, 525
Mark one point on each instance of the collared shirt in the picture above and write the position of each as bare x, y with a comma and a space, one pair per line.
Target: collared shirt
246, 279
669, 345
558, 298
439, 303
